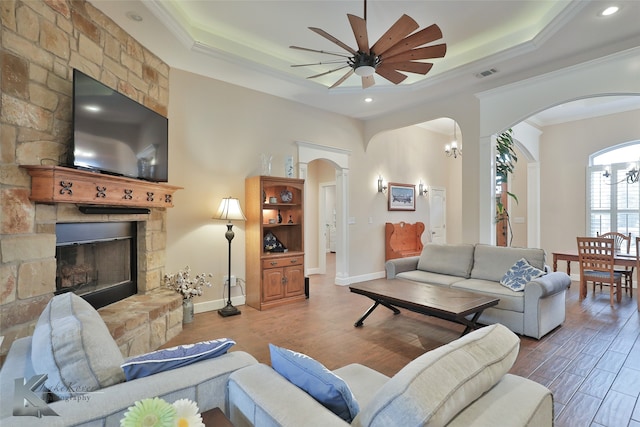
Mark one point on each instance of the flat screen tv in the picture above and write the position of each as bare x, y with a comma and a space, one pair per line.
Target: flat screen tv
116, 135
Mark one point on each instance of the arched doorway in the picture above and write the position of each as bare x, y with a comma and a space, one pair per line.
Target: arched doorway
339, 158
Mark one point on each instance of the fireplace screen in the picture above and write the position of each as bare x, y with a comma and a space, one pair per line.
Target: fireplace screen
90, 267
95, 260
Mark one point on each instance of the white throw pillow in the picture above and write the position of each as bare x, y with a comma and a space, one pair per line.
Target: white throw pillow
432, 389
73, 347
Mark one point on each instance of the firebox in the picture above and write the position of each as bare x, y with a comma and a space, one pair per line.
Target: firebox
96, 260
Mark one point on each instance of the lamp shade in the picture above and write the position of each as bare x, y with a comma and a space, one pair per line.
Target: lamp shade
229, 209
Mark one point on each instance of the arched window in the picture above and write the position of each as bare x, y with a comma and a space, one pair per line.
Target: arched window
613, 196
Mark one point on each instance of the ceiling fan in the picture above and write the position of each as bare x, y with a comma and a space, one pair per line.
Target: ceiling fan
396, 50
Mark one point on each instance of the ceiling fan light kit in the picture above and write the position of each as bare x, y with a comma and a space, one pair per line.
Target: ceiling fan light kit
365, 70
398, 49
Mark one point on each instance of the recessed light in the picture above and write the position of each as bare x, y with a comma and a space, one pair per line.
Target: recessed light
609, 11
134, 16
368, 99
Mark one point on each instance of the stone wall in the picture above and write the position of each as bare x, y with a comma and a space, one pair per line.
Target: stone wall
42, 41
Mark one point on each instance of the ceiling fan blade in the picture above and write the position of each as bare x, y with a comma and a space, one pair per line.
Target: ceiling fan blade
390, 74
333, 39
337, 61
367, 81
424, 36
327, 72
319, 51
436, 51
399, 30
359, 27
342, 79
411, 67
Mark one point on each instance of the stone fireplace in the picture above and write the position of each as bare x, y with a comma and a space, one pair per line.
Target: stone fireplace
139, 323
43, 42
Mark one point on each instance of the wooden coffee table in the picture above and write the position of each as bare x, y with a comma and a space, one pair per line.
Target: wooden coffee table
438, 301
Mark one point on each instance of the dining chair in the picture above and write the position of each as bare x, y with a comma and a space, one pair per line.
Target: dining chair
622, 243
596, 258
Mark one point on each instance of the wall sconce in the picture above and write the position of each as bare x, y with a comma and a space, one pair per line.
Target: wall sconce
381, 187
422, 189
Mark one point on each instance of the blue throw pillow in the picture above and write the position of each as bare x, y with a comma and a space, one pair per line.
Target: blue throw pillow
174, 357
519, 275
311, 376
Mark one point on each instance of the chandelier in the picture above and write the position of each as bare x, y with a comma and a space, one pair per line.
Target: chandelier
452, 149
631, 176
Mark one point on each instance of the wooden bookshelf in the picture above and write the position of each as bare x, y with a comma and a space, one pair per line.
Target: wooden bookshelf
274, 277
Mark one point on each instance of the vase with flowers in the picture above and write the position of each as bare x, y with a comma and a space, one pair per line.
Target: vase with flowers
188, 287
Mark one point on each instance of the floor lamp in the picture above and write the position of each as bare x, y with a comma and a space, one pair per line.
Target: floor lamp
229, 210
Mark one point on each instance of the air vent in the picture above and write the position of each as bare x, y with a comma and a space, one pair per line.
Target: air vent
486, 73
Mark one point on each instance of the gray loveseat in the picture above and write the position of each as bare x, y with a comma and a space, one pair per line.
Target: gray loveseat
479, 268
462, 384
84, 346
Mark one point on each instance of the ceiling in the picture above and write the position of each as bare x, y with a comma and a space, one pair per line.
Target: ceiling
246, 42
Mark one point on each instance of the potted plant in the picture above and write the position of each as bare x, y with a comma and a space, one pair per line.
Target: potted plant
506, 159
188, 287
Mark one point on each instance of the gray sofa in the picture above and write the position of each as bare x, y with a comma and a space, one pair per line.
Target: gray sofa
479, 268
203, 382
464, 383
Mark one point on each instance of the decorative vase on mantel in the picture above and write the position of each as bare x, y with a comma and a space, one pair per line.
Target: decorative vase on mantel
187, 310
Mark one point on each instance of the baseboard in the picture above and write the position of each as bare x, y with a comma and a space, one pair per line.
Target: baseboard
202, 307
346, 281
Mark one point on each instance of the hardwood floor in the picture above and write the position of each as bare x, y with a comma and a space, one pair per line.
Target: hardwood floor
591, 363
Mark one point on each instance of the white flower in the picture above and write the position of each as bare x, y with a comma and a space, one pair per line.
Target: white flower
187, 414
183, 284
153, 412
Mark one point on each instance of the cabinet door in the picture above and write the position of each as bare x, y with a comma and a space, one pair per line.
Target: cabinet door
272, 284
294, 280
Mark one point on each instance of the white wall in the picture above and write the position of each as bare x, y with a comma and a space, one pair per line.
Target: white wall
217, 132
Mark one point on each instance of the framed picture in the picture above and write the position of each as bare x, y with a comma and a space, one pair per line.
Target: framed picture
402, 197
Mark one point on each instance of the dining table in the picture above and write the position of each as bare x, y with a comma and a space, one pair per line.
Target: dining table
619, 258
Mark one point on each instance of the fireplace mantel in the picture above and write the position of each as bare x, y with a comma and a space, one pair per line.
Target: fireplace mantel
57, 184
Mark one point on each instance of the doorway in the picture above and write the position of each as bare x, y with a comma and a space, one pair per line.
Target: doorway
327, 234
437, 215
338, 159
